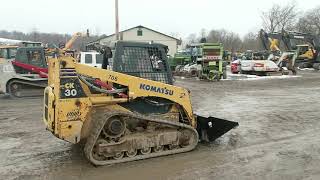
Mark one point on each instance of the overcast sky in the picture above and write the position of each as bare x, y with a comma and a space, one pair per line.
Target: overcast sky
168, 16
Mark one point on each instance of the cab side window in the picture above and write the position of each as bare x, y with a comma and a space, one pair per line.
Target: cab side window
3, 53
99, 58
88, 59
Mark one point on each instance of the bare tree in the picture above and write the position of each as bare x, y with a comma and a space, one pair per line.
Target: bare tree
310, 22
175, 35
230, 40
203, 33
217, 35
270, 20
35, 34
280, 17
192, 38
251, 41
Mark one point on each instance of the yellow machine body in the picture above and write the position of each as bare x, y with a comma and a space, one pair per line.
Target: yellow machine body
66, 117
121, 117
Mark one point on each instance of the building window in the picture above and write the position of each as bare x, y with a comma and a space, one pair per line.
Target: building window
139, 32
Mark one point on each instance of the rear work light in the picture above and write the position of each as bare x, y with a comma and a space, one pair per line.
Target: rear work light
258, 65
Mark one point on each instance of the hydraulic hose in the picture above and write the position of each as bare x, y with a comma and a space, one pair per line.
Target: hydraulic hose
114, 91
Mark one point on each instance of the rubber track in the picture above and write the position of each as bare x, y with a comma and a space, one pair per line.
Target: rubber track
101, 118
25, 83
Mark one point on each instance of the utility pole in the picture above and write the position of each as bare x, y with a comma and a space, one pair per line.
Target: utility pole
117, 19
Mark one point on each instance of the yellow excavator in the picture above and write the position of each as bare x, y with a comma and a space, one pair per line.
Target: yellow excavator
305, 46
129, 113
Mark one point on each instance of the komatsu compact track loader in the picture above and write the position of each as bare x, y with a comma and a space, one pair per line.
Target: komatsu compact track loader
129, 113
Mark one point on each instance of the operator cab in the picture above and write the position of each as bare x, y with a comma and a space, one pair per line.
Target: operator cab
8, 52
30, 56
140, 59
93, 59
145, 60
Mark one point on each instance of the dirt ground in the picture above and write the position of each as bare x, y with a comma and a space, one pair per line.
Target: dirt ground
278, 137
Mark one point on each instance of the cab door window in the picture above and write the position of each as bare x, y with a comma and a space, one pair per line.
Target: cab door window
34, 57
12, 53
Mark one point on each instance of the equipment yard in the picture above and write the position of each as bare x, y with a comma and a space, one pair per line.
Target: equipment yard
278, 137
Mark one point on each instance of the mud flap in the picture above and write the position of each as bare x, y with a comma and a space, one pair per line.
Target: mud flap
211, 128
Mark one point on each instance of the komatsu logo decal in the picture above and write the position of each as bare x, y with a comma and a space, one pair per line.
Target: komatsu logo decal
156, 89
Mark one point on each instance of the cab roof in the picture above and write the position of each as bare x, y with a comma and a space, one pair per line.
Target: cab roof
8, 47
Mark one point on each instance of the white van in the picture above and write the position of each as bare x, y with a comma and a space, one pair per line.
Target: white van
93, 59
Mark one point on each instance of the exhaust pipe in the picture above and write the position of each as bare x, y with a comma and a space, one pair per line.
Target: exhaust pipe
211, 128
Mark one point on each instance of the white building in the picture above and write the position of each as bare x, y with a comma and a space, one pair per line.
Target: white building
144, 34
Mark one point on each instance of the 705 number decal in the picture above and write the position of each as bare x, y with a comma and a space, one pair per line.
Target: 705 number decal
113, 78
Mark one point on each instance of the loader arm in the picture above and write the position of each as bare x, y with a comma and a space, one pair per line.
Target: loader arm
139, 87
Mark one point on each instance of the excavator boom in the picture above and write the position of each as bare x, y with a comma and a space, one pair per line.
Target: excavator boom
74, 37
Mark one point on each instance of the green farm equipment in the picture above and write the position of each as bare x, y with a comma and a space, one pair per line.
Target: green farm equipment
180, 59
212, 65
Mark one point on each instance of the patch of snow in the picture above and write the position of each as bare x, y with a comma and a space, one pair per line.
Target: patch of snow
306, 69
255, 77
270, 77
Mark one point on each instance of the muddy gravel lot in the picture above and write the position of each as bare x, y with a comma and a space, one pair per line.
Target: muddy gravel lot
278, 136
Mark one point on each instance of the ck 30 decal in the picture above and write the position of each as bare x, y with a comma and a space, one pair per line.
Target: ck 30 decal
71, 88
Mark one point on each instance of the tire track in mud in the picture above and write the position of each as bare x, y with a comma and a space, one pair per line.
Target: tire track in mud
254, 155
